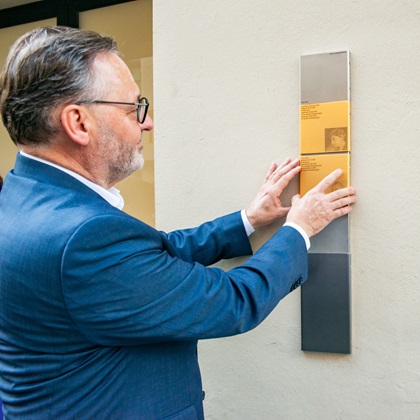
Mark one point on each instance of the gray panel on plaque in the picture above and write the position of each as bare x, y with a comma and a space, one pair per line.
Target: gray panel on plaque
325, 77
334, 239
325, 304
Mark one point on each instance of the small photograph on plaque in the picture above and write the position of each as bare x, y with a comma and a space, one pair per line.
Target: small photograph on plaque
336, 139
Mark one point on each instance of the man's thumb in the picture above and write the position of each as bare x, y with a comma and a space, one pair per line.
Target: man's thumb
295, 199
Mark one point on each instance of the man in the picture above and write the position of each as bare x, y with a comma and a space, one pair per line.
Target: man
100, 313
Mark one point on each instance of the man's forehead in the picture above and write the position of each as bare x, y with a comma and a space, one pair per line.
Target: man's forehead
116, 74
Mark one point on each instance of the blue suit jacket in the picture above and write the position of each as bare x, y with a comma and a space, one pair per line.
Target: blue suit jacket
100, 313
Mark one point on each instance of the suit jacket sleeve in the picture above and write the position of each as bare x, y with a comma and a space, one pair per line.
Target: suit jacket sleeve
222, 238
125, 283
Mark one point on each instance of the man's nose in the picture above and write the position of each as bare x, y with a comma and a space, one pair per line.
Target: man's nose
147, 125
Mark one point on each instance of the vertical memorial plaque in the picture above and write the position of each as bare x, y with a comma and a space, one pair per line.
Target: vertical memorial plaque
325, 145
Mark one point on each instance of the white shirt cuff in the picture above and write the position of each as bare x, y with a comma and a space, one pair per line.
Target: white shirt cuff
248, 227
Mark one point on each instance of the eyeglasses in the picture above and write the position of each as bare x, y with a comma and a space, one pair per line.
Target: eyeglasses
142, 106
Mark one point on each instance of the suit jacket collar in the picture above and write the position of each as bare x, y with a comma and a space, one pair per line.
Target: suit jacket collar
43, 172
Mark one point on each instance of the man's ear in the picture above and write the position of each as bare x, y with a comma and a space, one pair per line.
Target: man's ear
75, 121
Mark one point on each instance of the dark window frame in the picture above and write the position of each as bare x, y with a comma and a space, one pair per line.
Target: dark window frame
66, 11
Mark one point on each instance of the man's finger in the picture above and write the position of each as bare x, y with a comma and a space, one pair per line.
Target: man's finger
284, 180
286, 162
328, 181
346, 200
342, 192
271, 169
284, 170
342, 211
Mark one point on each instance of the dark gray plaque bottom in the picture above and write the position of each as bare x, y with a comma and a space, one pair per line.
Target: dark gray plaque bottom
325, 304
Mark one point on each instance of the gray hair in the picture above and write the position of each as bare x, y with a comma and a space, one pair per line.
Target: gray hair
46, 68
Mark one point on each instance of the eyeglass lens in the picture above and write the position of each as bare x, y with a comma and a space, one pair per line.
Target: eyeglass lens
142, 110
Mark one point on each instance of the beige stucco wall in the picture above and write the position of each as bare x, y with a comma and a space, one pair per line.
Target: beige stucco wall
226, 104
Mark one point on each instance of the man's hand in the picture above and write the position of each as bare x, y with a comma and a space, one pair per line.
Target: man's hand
315, 210
267, 207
